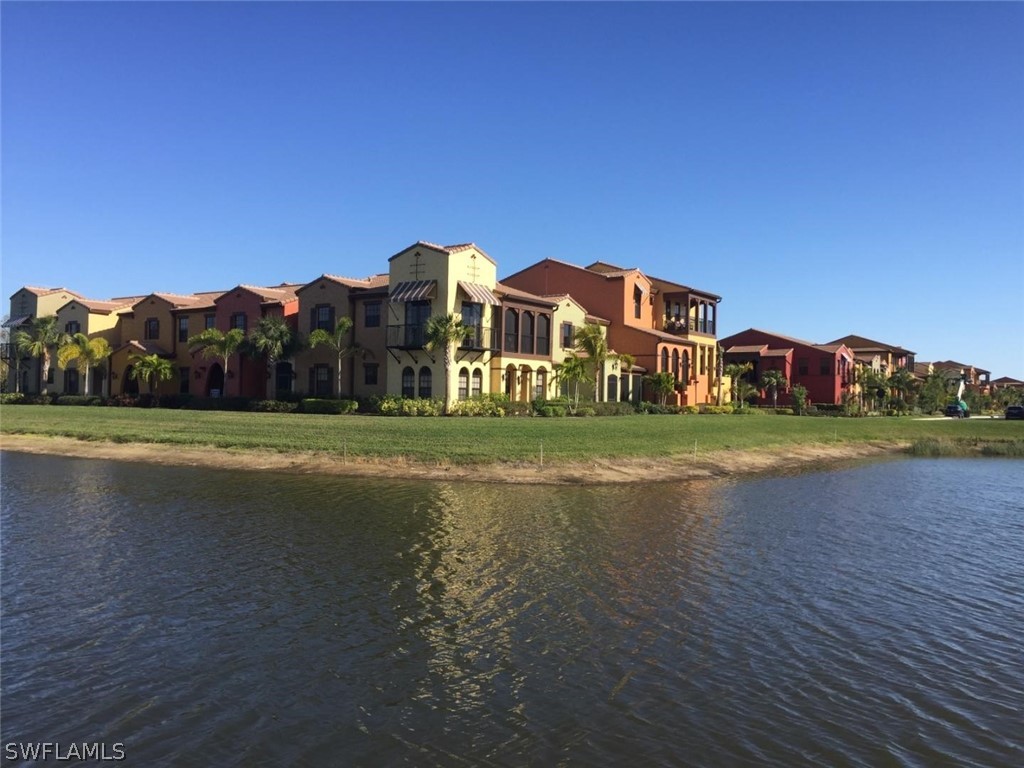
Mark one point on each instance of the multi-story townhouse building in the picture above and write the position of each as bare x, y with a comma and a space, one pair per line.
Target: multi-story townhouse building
826, 370
243, 307
96, 319
28, 303
877, 355
322, 303
664, 326
973, 377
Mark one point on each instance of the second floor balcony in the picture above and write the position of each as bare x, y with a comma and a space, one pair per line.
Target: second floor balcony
481, 337
679, 324
408, 336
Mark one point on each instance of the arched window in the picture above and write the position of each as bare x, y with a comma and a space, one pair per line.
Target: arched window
425, 381
408, 382
511, 330
664, 359
675, 364
510, 381
540, 386
613, 388
463, 383
478, 382
526, 336
684, 374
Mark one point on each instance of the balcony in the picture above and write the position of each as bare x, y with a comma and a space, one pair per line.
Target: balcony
674, 324
407, 336
481, 338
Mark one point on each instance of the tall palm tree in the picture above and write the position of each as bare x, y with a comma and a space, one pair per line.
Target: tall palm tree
42, 336
772, 380
216, 343
735, 372
591, 341
337, 341
151, 369
572, 371
272, 338
445, 332
84, 352
901, 380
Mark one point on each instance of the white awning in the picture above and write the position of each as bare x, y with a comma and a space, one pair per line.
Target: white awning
479, 293
413, 290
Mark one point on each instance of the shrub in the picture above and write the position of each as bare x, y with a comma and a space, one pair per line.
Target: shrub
717, 409
39, 399
316, 405
477, 406
614, 409
79, 400
12, 398
554, 411
515, 408
587, 411
274, 406
799, 394
657, 408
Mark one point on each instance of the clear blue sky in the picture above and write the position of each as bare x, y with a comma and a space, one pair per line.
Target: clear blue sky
827, 168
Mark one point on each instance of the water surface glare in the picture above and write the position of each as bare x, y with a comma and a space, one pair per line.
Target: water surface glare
865, 617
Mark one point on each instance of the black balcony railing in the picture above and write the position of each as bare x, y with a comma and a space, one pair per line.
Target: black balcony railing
481, 337
407, 336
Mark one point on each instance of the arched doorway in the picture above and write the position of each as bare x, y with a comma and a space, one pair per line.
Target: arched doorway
510, 381
215, 381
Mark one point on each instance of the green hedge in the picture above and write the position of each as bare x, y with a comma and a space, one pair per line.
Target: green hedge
12, 398
317, 405
79, 400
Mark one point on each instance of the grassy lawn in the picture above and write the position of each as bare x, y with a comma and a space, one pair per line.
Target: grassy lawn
474, 440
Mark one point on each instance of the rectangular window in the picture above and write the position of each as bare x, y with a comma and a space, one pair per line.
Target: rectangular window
638, 298
543, 335
209, 321
568, 336
151, 329
239, 321
71, 382
323, 318
183, 328
73, 327
370, 371
320, 380
802, 366
49, 375
826, 367
183, 377
372, 314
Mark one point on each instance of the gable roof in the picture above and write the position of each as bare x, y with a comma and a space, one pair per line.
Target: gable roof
449, 249
102, 307
278, 294
860, 343
46, 291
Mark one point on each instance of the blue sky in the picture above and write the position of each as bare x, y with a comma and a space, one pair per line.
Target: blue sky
827, 168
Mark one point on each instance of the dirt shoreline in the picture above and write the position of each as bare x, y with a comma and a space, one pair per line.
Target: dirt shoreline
717, 464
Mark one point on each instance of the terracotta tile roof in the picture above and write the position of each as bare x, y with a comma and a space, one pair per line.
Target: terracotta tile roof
146, 347
747, 349
859, 343
104, 307
446, 249
269, 294
38, 291
514, 293
777, 352
670, 337
951, 364
596, 319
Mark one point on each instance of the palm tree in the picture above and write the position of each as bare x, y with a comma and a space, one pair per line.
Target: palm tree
901, 380
215, 343
272, 338
735, 371
151, 369
591, 341
337, 342
772, 380
84, 352
872, 385
42, 335
662, 384
572, 371
446, 332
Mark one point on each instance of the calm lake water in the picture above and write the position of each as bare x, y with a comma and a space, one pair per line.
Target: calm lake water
872, 616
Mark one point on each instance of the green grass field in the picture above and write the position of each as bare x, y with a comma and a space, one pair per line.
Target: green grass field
476, 440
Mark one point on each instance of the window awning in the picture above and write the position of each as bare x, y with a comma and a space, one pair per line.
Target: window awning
479, 293
413, 290
14, 322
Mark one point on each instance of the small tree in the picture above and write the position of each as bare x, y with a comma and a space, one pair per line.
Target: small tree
337, 341
216, 343
799, 393
41, 337
626, 363
85, 353
445, 332
773, 380
151, 369
571, 372
591, 341
272, 338
662, 385
735, 372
